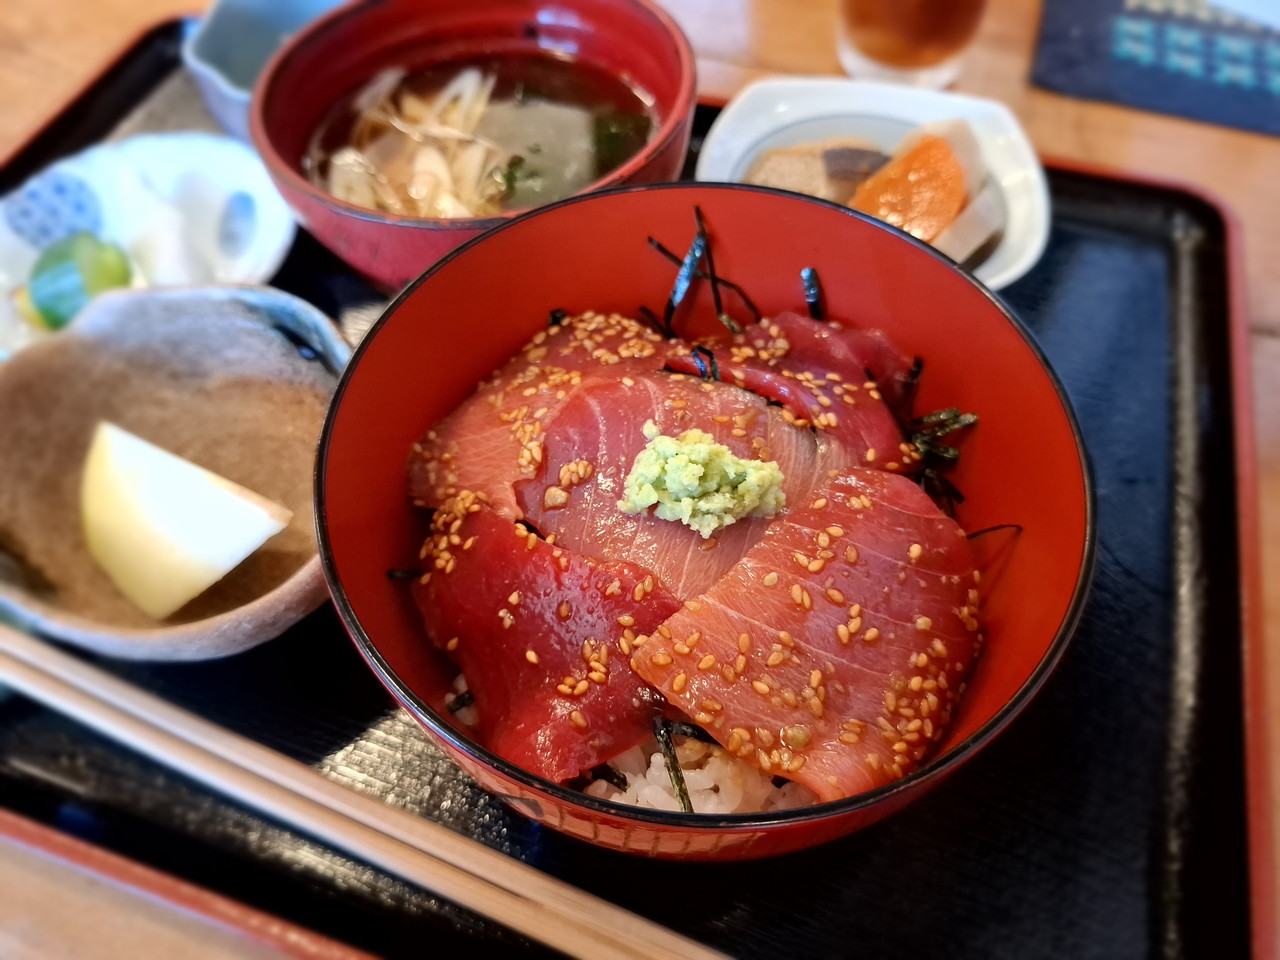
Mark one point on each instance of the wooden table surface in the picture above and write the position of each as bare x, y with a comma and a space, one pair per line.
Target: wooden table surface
50, 48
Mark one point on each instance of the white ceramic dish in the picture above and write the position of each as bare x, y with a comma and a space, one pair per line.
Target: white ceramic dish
235, 379
233, 42
785, 112
186, 208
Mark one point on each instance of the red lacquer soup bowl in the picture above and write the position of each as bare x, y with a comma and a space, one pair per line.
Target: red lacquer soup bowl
635, 41
475, 308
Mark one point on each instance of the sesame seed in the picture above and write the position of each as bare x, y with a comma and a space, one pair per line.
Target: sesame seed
580, 688
660, 659
507, 619
871, 636
776, 657
816, 566
797, 593
770, 579
760, 687
564, 610
452, 644
613, 589
924, 623
577, 719
626, 620
707, 662
871, 455
842, 632
678, 683
681, 648
851, 553
514, 598
597, 677
744, 643
815, 678
914, 551
531, 656
835, 596
565, 689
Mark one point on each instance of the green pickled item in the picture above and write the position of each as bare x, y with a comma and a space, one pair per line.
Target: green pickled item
72, 272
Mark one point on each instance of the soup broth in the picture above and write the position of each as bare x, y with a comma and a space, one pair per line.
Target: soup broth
478, 137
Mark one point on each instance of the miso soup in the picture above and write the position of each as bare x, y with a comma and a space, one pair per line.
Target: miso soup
478, 137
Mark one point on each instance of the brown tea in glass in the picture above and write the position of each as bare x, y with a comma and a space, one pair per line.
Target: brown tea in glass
917, 42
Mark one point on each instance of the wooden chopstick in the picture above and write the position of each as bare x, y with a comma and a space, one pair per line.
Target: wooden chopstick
413, 848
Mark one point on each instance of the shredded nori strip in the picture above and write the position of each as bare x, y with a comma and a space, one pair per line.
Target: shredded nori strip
662, 731
943, 491
684, 277
708, 367
460, 702
813, 293
691, 730
652, 319
723, 317
925, 433
727, 284
408, 574
609, 775
557, 317
1017, 527
912, 382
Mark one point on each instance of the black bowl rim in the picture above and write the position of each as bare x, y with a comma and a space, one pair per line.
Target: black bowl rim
919, 779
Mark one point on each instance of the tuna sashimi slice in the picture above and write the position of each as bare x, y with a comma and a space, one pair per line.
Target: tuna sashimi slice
832, 653
845, 383
496, 436
535, 629
592, 445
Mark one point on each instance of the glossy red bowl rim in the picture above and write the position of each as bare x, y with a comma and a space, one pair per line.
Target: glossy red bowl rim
932, 771
667, 131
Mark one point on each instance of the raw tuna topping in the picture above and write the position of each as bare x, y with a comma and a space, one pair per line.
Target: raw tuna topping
813, 614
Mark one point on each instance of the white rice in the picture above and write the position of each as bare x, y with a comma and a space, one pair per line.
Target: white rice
466, 715
717, 782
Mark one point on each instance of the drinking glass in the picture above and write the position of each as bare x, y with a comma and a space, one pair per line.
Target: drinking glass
915, 42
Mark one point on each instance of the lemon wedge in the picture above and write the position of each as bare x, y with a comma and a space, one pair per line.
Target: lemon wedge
163, 529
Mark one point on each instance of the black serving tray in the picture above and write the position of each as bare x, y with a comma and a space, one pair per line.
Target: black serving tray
1108, 821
